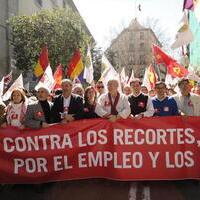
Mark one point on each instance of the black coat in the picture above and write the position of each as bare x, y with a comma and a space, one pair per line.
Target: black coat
89, 112
75, 107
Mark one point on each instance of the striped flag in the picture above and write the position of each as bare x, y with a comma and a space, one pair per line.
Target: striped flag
75, 65
42, 63
58, 77
150, 78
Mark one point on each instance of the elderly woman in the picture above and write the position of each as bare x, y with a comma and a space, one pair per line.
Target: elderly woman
89, 103
16, 109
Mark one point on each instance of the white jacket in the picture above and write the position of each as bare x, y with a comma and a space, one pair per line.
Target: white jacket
195, 100
103, 107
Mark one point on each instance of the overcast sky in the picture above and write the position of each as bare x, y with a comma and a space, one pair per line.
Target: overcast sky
106, 17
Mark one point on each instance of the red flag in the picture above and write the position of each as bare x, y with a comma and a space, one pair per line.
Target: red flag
176, 70
173, 68
75, 65
58, 77
161, 56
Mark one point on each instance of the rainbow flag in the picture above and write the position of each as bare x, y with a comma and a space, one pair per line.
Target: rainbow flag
42, 63
75, 65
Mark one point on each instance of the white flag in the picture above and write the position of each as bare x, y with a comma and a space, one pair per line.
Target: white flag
17, 84
47, 80
1, 87
108, 72
131, 77
88, 70
184, 35
123, 77
170, 81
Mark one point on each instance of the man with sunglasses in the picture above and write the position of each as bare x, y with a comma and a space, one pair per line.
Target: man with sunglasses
99, 88
163, 105
38, 113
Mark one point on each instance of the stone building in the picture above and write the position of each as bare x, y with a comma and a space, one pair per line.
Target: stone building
132, 48
9, 8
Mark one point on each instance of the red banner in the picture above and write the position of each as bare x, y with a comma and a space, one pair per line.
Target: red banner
147, 149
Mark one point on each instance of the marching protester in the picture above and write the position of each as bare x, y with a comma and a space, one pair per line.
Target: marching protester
197, 88
67, 106
100, 88
127, 90
16, 109
140, 104
188, 103
163, 105
113, 105
78, 89
39, 112
89, 103
144, 90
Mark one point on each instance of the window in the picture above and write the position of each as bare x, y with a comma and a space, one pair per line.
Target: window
142, 46
39, 2
142, 59
141, 35
131, 47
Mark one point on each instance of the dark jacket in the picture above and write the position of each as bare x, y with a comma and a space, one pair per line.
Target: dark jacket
75, 107
35, 115
89, 112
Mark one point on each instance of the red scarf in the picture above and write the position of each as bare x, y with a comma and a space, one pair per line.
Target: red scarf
113, 105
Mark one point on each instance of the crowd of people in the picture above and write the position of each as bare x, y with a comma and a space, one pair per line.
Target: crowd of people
73, 102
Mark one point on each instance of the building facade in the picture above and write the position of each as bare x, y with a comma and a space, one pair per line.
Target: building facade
132, 48
9, 8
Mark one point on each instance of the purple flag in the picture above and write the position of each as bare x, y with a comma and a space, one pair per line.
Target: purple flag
188, 4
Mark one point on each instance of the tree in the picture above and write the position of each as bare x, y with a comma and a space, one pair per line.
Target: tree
96, 53
62, 30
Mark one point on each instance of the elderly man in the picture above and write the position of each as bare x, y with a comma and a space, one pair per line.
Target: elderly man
67, 106
38, 113
188, 103
163, 105
113, 105
141, 104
